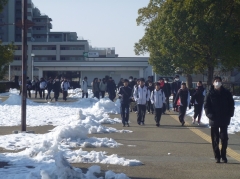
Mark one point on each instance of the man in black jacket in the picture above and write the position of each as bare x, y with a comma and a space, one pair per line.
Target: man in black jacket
56, 88
219, 108
176, 85
197, 100
183, 96
125, 93
111, 89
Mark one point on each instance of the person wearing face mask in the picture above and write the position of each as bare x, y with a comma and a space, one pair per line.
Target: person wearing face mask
183, 96
176, 85
219, 108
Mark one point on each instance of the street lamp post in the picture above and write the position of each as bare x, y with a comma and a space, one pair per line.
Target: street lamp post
32, 55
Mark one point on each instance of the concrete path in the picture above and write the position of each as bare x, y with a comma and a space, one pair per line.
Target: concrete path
190, 150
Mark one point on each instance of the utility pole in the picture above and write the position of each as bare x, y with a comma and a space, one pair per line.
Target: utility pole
24, 24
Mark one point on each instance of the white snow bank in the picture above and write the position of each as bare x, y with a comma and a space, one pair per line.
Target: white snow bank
101, 157
55, 167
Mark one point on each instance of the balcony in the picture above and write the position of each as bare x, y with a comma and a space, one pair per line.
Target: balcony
71, 52
44, 52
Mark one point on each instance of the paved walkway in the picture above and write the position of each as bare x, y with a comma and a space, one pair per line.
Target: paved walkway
190, 150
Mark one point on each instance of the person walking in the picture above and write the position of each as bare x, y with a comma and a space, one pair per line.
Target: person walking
141, 96
42, 86
95, 88
157, 99
84, 87
65, 86
167, 93
183, 96
37, 88
29, 87
176, 85
56, 88
125, 94
103, 87
164, 89
219, 108
197, 100
111, 89
49, 88
149, 103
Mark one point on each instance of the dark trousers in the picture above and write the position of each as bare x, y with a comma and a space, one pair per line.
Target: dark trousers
112, 96
48, 94
150, 107
125, 113
29, 93
174, 97
37, 91
198, 111
158, 114
56, 95
83, 94
167, 104
164, 108
141, 113
103, 94
223, 135
65, 94
96, 94
42, 93
182, 112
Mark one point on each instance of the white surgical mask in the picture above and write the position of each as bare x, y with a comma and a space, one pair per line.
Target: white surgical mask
165, 81
130, 80
217, 84
177, 79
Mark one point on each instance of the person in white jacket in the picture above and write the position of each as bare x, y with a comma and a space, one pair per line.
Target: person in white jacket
141, 95
157, 99
65, 86
84, 87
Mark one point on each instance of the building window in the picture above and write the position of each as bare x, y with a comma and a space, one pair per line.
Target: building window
38, 20
63, 58
56, 36
53, 58
38, 28
38, 36
63, 48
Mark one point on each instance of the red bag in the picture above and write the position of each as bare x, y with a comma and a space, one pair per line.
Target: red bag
178, 102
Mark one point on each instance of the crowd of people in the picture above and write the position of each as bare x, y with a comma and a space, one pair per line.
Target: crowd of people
56, 85
153, 97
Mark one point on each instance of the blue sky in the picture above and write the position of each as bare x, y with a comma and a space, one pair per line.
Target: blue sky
105, 23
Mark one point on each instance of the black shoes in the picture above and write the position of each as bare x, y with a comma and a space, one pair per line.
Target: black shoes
183, 122
224, 160
217, 160
128, 125
157, 125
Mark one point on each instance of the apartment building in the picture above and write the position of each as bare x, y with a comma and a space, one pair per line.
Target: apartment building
62, 53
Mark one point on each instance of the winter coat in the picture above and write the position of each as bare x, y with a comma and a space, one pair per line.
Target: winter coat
125, 93
167, 90
56, 86
103, 86
65, 85
84, 86
176, 85
95, 87
49, 85
184, 97
120, 84
42, 84
219, 107
158, 98
111, 87
198, 96
141, 94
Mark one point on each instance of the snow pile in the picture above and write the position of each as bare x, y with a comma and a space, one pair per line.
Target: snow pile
236, 97
235, 120
48, 155
101, 157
